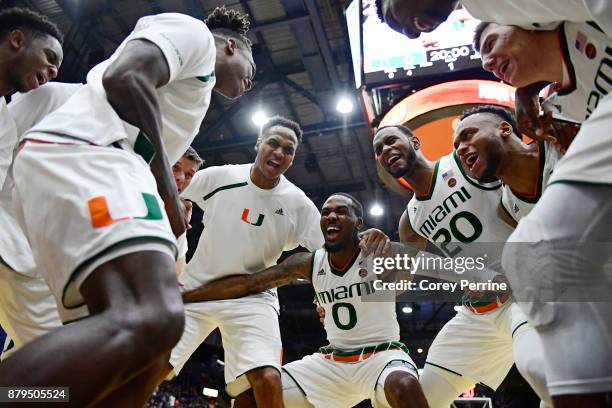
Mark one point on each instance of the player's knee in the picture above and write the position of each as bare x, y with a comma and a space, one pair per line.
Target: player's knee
265, 379
402, 387
138, 326
165, 324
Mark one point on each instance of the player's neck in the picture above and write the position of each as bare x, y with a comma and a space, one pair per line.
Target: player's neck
519, 168
4, 87
340, 259
421, 177
549, 59
261, 181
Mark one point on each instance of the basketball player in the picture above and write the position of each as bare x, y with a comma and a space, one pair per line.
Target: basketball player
30, 55
261, 213
413, 17
578, 57
366, 361
488, 143
98, 240
30, 50
486, 337
27, 307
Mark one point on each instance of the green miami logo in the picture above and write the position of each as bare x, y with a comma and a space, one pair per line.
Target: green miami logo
245, 218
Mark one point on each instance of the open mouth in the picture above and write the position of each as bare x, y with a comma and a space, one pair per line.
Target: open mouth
503, 70
273, 163
41, 79
471, 159
392, 159
332, 231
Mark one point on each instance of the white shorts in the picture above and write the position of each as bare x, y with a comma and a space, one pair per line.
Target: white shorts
557, 261
249, 331
334, 384
27, 308
589, 157
98, 203
479, 346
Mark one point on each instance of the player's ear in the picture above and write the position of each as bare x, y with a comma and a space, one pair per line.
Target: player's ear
359, 223
416, 143
506, 129
17, 39
256, 147
230, 46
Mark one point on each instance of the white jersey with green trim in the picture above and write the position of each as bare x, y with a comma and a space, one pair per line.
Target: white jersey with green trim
518, 205
587, 56
189, 50
246, 228
356, 315
458, 209
528, 13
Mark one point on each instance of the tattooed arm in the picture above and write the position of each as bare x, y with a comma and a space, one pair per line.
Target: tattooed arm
296, 266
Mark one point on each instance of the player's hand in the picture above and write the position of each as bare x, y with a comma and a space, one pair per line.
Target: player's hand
565, 133
531, 121
188, 212
374, 242
321, 313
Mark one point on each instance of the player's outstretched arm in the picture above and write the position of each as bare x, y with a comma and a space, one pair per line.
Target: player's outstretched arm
130, 82
296, 266
528, 112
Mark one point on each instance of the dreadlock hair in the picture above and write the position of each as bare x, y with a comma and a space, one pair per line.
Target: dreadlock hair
225, 23
18, 18
502, 113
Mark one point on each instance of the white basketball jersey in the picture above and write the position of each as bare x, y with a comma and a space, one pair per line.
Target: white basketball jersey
527, 12
518, 205
458, 209
246, 228
587, 54
188, 48
355, 314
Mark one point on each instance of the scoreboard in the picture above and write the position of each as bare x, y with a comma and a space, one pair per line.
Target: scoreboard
383, 57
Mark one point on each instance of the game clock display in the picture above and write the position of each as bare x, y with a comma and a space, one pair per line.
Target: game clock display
382, 57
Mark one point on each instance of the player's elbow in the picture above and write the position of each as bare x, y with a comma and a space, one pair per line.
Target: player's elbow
121, 83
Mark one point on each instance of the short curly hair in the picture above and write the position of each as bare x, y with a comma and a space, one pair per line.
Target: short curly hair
356, 205
284, 122
224, 23
18, 18
502, 113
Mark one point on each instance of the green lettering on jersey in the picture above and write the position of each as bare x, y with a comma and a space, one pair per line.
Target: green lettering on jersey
352, 316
